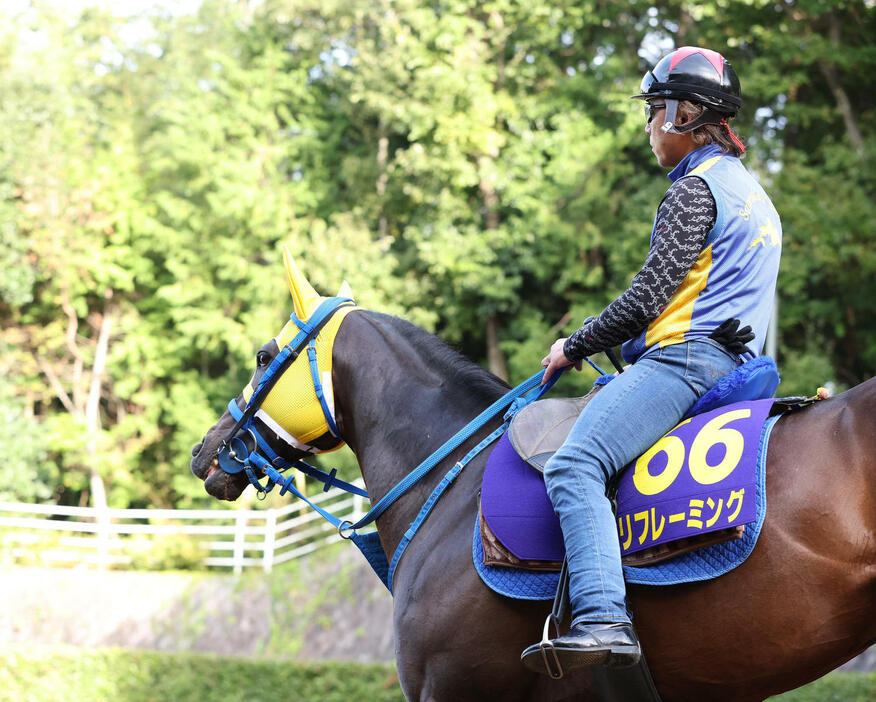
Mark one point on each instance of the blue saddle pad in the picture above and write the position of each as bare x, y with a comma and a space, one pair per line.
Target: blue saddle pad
703, 564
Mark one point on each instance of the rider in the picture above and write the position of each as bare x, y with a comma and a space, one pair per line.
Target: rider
713, 260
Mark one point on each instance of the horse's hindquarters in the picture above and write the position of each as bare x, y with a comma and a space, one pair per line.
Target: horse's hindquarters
803, 603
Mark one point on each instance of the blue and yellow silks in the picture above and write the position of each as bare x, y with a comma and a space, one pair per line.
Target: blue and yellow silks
735, 274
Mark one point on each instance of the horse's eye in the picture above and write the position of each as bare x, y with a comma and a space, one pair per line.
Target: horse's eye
263, 359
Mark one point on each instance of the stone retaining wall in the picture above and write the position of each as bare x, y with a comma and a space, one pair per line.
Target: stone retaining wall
311, 610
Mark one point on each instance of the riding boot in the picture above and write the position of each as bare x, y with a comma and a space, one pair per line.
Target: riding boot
586, 644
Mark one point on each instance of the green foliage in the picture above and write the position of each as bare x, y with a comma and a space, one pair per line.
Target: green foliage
25, 473
836, 687
116, 675
476, 168
165, 552
19, 548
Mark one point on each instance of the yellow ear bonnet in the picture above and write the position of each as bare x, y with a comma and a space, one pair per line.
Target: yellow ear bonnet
304, 298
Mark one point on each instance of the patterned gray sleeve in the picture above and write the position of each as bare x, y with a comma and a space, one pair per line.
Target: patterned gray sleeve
685, 217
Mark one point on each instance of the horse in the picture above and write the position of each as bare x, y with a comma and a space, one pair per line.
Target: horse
799, 606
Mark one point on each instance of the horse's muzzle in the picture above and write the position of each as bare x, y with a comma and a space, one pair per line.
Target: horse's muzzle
217, 482
202, 466
205, 465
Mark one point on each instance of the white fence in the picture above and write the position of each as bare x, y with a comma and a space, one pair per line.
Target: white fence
234, 538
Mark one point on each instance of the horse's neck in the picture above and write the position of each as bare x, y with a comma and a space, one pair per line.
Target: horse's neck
397, 405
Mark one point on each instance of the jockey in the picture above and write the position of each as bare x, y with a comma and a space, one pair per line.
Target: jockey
713, 261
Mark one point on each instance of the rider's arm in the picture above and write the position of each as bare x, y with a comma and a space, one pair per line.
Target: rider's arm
685, 217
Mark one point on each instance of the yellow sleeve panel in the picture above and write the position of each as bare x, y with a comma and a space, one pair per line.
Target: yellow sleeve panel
672, 324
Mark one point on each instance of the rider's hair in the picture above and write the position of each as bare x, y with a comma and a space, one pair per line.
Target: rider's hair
709, 133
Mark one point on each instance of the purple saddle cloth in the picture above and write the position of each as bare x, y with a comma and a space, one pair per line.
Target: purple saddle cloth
704, 480
516, 507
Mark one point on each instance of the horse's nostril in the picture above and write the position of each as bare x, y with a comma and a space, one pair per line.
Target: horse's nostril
196, 449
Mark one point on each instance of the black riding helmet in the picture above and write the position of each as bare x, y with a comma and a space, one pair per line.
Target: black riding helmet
699, 75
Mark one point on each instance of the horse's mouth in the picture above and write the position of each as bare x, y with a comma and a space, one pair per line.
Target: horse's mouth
212, 468
220, 484
199, 467
217, 482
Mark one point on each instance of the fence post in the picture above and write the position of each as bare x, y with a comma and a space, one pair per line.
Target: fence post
358, 507
239, 538
270, 535
103, 535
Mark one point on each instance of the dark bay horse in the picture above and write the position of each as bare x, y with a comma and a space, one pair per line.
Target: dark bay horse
802, 604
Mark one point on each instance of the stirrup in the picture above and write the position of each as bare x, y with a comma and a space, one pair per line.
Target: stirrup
546, 645
558, 611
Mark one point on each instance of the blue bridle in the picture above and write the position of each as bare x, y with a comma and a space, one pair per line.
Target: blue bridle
245, 449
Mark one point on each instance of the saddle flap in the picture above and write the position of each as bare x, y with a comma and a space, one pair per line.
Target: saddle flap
540, 428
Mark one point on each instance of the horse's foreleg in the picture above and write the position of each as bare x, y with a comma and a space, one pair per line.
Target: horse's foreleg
458, 641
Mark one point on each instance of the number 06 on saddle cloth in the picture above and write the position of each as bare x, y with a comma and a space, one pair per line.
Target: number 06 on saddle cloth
706, 474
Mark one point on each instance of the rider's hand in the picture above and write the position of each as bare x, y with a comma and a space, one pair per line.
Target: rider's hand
555, 360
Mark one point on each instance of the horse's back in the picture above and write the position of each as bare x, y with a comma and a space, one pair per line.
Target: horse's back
820, 473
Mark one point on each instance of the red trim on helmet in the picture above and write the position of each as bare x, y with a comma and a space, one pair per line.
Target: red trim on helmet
712, 57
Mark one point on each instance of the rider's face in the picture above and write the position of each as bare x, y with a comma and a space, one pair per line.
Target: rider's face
669, 148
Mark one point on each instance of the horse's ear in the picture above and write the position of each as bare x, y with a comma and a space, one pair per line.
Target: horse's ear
304, 297
345, 290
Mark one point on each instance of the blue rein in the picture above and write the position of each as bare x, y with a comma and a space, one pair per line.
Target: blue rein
236, 455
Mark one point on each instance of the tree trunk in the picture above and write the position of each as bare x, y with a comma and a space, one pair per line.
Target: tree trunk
382, 158
495, 358
92, 429
828, 70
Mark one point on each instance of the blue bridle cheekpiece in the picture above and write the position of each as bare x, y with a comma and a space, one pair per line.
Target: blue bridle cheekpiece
244, 449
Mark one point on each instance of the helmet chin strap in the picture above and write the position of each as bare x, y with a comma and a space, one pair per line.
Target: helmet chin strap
668, 125
708, 116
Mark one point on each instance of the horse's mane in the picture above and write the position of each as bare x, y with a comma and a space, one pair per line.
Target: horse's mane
442, 357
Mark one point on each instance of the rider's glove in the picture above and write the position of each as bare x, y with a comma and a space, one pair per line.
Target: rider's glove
732, 337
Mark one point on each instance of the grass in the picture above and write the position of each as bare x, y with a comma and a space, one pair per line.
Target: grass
66, 674
836, 687
125, 675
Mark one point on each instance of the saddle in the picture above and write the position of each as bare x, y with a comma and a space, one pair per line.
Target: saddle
539, 429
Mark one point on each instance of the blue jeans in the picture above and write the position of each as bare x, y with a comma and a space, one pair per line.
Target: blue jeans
622, 421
